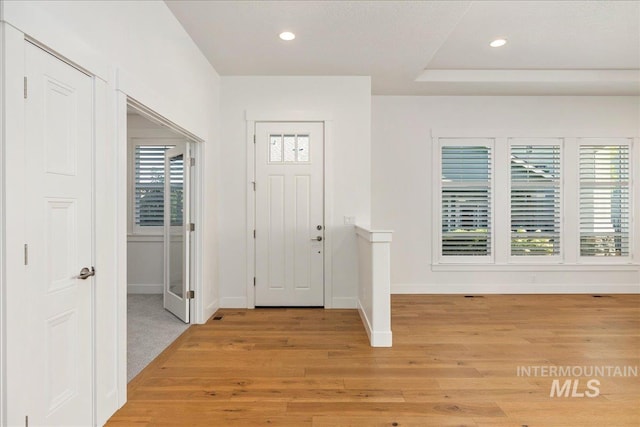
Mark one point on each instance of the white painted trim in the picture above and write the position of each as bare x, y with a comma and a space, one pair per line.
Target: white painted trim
15, 341
374, 236
526, 133
253, 117
376, 338
329, 190
3, 385
233, 302
105, 303
121, 240
144, 288
537, 267
513, 289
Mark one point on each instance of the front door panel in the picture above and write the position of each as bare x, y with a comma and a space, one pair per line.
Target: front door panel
289, 214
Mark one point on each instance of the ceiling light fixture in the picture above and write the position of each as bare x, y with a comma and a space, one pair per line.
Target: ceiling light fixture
287, 36
498, 43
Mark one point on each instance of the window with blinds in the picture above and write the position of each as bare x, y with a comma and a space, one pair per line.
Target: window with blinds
149, 185
535, 200
604, 200
466, 200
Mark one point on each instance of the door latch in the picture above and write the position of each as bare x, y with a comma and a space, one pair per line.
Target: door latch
85, 273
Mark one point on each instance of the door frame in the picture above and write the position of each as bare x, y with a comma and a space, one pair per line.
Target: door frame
196, 207
277, 116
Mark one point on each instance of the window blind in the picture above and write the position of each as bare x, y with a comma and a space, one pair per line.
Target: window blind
466, 201
604, 200
149, 185
535, 200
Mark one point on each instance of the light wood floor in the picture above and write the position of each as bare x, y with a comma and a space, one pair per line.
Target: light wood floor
454, 362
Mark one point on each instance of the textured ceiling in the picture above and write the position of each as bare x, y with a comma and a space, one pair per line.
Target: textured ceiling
394, 42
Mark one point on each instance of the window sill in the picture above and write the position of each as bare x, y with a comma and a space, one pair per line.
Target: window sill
628, 266
141, 238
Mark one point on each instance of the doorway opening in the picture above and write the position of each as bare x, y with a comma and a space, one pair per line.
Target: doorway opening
162, 202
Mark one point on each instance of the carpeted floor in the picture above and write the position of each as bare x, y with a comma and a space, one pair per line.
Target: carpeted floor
150, 329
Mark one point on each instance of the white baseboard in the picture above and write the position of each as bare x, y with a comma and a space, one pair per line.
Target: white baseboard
530, 288
233, 302
210, 310
376, 338
344, 302
145, 288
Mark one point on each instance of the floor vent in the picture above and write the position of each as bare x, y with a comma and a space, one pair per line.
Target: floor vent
601, 296
474, 296
218, 317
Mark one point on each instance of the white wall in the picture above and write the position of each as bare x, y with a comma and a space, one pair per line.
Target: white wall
348, 101
136, 49
402, 182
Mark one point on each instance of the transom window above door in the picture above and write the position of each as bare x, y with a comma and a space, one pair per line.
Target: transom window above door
289, 148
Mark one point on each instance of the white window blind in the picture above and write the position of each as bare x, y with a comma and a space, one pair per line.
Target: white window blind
466, 200
149, 185
604, 200
535, 200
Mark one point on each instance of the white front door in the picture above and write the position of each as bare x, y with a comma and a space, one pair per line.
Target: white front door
289, 214
176, 231
58, 192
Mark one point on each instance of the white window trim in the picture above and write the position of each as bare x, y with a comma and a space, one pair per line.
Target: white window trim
590, 141
136, 232
570, 259
437, 211
541, 260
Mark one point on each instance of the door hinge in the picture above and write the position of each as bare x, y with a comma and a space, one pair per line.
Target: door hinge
192, 162
254, 138
192, 226
26, 254
26, 421
25, 87
254, 281
254, 234
191, 294
254, 185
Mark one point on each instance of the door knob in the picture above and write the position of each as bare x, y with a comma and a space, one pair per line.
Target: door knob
85, 273
319, 239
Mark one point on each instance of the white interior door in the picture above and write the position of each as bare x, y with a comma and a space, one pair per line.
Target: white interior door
289, 214
177, 231
58, 199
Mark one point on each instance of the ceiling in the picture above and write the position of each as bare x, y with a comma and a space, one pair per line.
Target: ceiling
428, 47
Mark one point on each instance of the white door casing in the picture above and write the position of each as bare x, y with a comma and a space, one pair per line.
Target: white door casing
58, 176
177, 246
289, 221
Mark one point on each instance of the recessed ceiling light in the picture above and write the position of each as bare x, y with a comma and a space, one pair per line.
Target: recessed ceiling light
498, 43
287, 36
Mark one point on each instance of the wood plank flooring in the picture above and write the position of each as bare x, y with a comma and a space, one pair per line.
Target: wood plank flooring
453, 362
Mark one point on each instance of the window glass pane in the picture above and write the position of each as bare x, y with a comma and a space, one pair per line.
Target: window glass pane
466, 201
535, 200
275, 148
604, 200
149, 185
289, 148
303, 148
